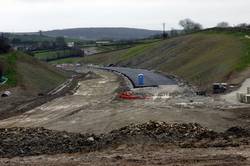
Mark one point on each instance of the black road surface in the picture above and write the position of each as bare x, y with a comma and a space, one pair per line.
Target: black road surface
151, 79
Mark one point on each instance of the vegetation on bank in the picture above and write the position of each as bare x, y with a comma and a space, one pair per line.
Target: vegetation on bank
133, 46
244, 37
199, 56
29, 73
202, 58
8, 61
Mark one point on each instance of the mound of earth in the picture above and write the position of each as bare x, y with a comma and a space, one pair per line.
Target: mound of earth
37, 141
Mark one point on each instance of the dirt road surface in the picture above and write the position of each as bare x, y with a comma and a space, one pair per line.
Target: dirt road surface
142, 155
94, 109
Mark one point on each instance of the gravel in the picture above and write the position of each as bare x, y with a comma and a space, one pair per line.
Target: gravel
37, 141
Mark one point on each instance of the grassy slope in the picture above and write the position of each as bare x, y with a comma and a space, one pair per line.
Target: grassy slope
201, 58
29, 73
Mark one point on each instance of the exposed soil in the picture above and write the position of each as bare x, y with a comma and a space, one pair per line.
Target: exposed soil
37, 141
20, 102
145, 155
94, 108
86, 127
152, 143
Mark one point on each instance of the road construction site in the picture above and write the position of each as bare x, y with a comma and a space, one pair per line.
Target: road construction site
105, 124
96, 108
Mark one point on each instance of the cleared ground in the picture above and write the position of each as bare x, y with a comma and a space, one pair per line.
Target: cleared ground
94, 109
27, 78
142, 155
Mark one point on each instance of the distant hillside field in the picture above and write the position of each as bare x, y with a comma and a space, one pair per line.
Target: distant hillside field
58, 54
102, 33
201, 58
24, 71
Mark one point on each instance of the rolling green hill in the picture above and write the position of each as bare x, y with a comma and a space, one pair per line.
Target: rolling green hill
201, 58
32, 75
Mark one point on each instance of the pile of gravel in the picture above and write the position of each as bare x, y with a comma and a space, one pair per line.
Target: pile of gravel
37, 141
186, 135
177, 130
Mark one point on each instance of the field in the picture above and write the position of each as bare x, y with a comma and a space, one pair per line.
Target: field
201, 58
94, 49
51, 55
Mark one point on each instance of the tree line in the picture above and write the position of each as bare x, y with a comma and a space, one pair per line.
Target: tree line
4, 44
190, 26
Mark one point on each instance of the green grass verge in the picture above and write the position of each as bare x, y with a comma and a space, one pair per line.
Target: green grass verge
9, 63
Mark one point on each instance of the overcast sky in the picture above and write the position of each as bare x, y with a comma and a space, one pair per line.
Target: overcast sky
34, 15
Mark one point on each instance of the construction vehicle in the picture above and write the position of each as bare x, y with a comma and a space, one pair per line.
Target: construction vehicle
219, 87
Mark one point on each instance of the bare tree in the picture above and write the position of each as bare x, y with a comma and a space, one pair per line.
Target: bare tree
189, 25
223, 24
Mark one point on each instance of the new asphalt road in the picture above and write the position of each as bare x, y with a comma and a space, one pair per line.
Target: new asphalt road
151, 79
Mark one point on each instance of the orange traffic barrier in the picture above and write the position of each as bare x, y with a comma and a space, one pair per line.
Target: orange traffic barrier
130, 96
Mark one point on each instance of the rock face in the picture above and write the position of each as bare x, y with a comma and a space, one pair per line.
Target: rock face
37, 141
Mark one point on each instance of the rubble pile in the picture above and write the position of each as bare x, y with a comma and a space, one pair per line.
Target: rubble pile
37, 141
190, 135
166, 131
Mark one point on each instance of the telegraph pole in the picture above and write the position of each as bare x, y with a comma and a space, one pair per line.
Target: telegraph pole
164, 28
164, 34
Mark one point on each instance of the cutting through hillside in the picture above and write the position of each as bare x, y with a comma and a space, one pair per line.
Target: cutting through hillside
173, 97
